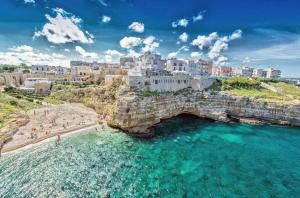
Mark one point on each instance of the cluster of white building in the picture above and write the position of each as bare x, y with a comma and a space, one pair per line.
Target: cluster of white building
226, 71
40, 69
150, 72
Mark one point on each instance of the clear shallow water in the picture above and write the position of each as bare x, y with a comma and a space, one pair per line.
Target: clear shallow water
189, 158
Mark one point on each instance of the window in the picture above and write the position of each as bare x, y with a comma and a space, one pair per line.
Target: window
174, 64
156, 81
178, 81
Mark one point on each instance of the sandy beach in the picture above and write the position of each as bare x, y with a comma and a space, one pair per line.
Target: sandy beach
51, 121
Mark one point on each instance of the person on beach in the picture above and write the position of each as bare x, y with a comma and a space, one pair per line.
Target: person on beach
57, 140
31, 135
1, 146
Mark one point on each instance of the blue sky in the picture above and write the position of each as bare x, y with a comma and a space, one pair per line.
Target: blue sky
259, 33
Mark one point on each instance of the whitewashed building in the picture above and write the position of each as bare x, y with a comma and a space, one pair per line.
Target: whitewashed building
259, 73
128, 62
46, 69
150, 60
165, 81
244, 71
36, 85
80, 72
154, 74
273, 73
205, 67
193, 67
175, 65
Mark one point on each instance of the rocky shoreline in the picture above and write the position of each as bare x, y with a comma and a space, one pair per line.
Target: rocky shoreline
136, 114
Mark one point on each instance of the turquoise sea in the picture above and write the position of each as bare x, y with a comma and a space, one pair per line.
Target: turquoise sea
189, 157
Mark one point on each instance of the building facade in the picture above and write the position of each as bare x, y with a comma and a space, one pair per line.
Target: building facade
80, 72
260, 73
175, 65
39, 69
205, 67
127, 62
150, 60
37, 85
273, 73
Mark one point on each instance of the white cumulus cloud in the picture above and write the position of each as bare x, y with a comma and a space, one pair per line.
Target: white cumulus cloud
221, 60
133, 53
196, 54
64, 28
205, 41
130, 42
137, 27
215, 44
106, 19
112, 53
150, 44
21, 48
183, 37
29, 56
219, 46
29, 1
174, 54
86, 54
236, 35
180, 22
199, 16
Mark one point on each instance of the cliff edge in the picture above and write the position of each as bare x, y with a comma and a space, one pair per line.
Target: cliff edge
135, 113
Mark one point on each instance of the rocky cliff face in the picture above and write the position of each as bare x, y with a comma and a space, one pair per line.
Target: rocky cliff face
135, 114
11, 128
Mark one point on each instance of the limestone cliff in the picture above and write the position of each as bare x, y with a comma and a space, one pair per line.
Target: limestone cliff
135, 114
12, 127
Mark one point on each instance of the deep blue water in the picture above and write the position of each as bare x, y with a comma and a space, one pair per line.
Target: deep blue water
190, 157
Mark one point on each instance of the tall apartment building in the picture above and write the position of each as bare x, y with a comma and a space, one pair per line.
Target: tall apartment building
259, 73
273, 73
205, 67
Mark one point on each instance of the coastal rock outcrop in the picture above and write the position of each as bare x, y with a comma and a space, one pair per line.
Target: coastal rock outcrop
7, 132
136, 114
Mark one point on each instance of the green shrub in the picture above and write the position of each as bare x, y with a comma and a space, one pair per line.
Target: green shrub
150, 93
13, 102
240, 83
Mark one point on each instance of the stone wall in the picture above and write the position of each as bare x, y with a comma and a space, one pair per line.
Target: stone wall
135, 114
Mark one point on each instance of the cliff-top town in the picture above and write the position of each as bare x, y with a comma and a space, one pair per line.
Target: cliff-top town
147, 72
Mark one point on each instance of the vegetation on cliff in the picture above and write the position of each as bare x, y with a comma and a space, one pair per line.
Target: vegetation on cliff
251, 87
240, 83
12, 104
101, 97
